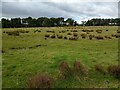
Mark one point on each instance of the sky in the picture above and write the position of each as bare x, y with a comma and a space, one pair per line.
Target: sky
79, 10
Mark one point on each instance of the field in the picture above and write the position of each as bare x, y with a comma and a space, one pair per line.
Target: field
27, 52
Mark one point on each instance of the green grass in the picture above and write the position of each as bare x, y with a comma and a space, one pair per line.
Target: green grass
20, 64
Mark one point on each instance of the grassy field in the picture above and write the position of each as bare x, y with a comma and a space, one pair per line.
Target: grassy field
29, 54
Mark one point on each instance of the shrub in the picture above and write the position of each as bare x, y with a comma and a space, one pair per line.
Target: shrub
40, 81
64, 69
79, 68
114, 70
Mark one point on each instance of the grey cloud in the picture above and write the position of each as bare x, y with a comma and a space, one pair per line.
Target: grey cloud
76, 10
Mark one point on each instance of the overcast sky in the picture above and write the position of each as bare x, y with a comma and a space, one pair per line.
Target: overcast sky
79, 10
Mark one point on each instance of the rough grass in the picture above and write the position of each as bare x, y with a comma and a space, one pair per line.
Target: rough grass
19, 64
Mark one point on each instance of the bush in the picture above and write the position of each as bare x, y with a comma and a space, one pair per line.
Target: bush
40, 81
79, 69
114, 70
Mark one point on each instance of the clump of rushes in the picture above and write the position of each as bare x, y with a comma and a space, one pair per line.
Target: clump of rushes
53, 36
100, 68
64, 70
79, 69
75, 34
114, 70
40, 81
47, 35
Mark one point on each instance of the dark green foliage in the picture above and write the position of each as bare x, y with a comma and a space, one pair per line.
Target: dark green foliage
103, 22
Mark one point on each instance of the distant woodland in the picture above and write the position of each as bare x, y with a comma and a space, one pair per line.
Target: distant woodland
56, 22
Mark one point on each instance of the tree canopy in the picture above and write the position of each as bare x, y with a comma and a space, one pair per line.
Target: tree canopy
55, 22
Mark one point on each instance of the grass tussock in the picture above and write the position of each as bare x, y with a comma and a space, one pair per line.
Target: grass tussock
114, 70
40, 81
100, 68
64, 70
79, 69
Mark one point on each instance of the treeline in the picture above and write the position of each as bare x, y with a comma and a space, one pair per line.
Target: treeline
56, 22
39, 22
102, 22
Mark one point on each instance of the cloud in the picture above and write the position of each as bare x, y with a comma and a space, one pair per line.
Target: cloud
57, 8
